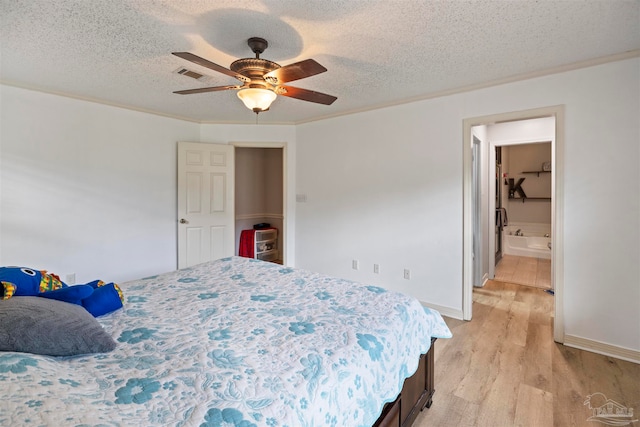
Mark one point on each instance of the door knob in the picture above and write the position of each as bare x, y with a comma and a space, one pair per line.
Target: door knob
183, 221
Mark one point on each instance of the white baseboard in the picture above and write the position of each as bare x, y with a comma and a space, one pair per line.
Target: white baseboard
602, 348
445, 311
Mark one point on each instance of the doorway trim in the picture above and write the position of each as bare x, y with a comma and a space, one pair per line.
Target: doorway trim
557, 207
285, 195
476, 183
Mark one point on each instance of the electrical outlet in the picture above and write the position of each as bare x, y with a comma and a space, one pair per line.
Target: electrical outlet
70, 279
376, 268
407, 274
355, 264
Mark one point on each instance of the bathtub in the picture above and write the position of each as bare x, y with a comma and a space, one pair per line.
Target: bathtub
532, 243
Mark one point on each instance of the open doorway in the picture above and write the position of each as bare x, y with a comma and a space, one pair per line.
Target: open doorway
508, 121
259, 202
523, 205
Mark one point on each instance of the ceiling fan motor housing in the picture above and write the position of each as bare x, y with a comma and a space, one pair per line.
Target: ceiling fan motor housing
254, 68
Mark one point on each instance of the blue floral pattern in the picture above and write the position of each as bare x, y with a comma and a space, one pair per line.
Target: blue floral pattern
370, 344
137, 390
231, 342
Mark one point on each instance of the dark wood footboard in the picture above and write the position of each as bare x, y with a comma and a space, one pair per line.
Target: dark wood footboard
416, 394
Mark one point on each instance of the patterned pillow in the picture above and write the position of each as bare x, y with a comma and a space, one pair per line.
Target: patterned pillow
54, 328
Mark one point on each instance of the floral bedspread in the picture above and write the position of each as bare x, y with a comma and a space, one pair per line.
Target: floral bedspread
235, 342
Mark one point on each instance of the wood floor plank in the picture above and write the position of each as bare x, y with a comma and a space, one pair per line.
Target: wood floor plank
518, 323
570, 386
543, 274
489, 376
482, 368
524, 271
499, 404
538, 357
535, 407
540, 304
450, 411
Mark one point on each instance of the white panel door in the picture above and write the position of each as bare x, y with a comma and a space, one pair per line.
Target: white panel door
205, 202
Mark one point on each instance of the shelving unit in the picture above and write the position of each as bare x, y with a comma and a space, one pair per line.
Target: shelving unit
266, 244
530, 198
536, 172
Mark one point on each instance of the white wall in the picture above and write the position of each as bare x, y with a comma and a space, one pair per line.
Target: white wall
87, 188
386, 186
259, 175
90, 189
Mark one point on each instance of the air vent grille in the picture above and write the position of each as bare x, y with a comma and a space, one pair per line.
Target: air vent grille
189, 73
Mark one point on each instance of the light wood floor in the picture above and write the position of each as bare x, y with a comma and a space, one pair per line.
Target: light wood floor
503, 368
524, 271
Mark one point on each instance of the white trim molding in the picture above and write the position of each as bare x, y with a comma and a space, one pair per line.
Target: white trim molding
445, 311
602, 348
259, 215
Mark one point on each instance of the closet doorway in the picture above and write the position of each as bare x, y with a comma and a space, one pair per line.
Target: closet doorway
260, 192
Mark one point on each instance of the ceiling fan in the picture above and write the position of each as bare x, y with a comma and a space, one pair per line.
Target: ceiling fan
262, 80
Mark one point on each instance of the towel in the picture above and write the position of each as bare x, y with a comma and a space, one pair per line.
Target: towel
247, 243
501, 218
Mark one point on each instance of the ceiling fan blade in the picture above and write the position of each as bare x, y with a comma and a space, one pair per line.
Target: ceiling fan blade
205, 89
306, 95
210, 65
295, 71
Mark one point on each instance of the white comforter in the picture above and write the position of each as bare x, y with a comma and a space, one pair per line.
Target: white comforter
233, 342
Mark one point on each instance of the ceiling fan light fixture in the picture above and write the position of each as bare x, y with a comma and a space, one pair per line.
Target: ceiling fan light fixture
257, 100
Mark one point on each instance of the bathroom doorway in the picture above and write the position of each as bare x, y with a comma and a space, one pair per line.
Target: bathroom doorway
523, 204
500, 131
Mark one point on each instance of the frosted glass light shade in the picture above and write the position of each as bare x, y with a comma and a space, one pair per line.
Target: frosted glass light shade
257, 100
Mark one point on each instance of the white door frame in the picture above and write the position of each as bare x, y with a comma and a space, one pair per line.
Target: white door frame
476, 182
283, 146
557, 208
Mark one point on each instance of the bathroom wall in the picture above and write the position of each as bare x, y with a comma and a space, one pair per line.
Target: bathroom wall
516, 160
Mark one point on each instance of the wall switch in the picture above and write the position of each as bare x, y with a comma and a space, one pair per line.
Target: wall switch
301, 198
70, 279
355, 264
407, 273
376, 268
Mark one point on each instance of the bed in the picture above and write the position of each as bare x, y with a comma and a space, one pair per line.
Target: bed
237, 342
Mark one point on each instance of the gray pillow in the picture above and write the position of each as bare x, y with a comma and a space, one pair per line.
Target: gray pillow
54, 328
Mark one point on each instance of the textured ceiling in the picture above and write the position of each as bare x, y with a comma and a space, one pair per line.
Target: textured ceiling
377, 52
